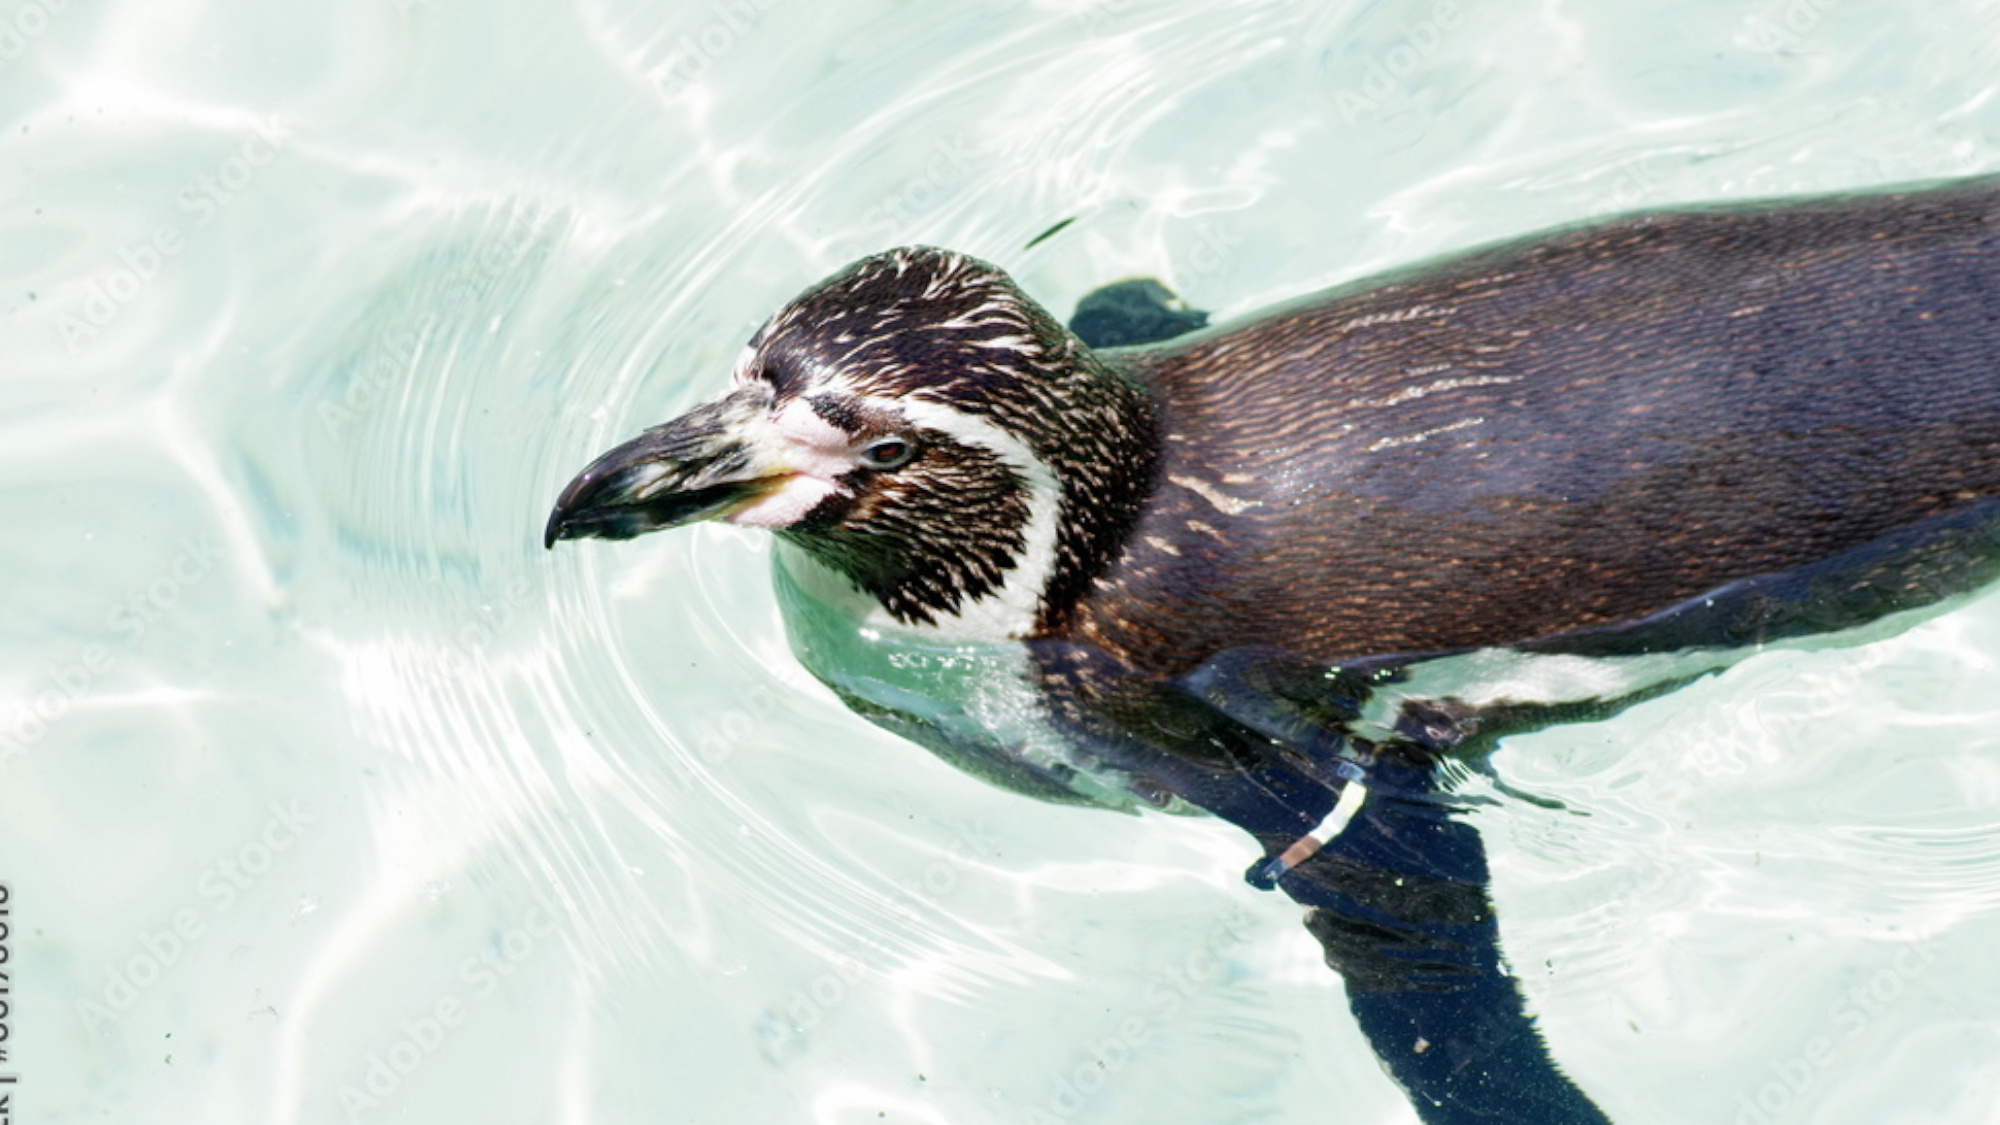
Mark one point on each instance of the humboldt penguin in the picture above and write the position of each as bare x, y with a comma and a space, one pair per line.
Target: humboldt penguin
1295, 570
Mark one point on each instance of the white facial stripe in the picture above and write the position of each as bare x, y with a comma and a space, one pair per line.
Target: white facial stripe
810, 444
808, 451
741, 372
1009, 612
784, 505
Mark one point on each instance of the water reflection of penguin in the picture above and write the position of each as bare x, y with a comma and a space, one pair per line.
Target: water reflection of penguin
1278, 569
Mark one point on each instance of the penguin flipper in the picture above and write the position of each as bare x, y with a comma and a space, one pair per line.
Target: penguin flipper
1395, 884
1138, 311
1400, 902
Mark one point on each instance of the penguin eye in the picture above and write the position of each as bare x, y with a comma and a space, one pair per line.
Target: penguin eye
889, 453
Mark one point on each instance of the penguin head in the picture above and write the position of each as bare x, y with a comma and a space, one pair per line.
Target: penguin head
917, 424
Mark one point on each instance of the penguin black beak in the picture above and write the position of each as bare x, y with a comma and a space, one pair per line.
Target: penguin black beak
693, 468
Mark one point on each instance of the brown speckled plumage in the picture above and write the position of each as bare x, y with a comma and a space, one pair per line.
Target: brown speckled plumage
1564, 432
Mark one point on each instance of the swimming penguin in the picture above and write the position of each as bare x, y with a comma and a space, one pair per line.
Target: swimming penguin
1284, 569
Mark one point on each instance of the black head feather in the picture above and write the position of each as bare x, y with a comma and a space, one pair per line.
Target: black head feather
920, 327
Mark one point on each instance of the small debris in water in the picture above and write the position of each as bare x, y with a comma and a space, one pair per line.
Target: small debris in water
1047, 234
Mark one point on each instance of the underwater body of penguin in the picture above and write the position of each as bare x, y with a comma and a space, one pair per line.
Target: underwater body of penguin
1286, 570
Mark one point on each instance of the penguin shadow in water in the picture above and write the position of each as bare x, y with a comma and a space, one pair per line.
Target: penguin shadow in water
1300, 571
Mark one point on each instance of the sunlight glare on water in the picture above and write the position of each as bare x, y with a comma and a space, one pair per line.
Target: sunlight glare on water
351, 803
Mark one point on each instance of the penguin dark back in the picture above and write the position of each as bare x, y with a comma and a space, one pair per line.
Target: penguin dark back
1265, 570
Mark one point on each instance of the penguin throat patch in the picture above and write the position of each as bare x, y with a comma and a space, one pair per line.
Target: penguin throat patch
931, 540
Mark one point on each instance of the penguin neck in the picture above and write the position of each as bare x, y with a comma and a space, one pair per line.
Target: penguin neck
1101, 439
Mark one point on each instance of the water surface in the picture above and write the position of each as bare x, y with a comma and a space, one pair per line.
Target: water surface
346, 802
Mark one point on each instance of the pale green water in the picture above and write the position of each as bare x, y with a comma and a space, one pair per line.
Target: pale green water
310, 309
